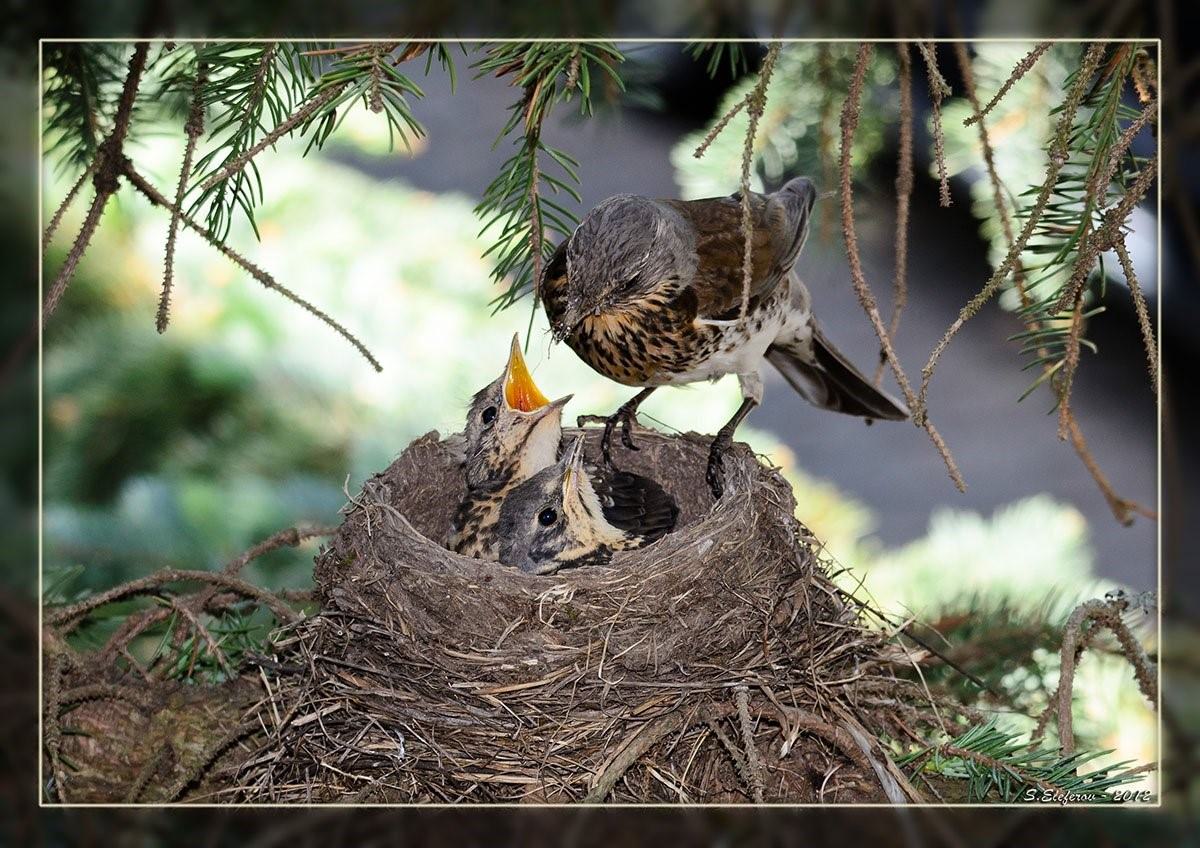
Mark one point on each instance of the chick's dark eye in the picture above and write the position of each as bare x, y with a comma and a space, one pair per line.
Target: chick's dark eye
547, 517
489, 415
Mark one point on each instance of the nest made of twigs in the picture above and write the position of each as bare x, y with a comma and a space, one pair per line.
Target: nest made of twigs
718, 664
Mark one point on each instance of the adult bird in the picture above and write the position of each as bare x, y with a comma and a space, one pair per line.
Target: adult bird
650, 293
512, 433
573, 514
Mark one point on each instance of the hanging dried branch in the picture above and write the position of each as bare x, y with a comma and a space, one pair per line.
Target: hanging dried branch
1143, 311
1022, 68
849, 121
158, 199
904, 187
755, 101
192, 130
1070, 364
939, 90
105, 178
1106, 614
1123, 509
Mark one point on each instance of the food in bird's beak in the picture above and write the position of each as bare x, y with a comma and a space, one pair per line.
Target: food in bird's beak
520, 392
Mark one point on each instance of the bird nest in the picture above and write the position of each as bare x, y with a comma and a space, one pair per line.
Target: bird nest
719, 664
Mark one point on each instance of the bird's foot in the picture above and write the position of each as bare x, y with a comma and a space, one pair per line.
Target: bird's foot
715, 474
625, 417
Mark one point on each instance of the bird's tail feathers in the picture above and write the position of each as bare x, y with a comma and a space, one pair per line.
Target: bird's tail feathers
829, 381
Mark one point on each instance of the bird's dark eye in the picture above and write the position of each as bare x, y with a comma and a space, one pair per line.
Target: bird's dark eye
489, 415
547, 517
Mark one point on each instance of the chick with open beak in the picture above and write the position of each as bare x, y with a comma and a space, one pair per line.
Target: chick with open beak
512, 432
574, 514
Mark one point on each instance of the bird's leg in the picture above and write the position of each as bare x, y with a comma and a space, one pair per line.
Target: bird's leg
625, 416
751, 397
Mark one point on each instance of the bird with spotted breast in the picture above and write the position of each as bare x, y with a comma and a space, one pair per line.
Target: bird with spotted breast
512, 433
574, 514
650, 293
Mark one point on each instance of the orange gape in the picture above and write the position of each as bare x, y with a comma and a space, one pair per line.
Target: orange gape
520, 392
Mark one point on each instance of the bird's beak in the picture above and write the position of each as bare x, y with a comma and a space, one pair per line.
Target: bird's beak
574, 475
520, 392
567, 323
553, 407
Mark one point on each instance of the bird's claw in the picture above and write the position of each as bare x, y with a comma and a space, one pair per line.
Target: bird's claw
715, 472
625, 418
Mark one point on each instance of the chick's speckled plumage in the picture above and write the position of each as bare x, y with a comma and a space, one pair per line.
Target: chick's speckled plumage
504, 446
574, 514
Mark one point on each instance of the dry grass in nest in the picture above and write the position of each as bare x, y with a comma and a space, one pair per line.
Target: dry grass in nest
718, 665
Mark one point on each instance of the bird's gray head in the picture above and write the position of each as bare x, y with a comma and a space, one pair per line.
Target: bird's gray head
555, 520
512, 430
622, 250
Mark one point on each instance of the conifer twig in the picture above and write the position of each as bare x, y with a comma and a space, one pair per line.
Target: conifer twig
939, 89
1123, 509
754, 764
824, 133
56, 219
712, 134
192, 131
1022, 67
231, 168
1106, 613
105, 178
755, 101
158, 199
1070, 366
849, 121
1142, 310
69, 617
904, 187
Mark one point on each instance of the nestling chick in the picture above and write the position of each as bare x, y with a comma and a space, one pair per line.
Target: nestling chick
570, 515
512, 433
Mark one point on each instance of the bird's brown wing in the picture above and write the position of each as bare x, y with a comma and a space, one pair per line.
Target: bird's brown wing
720, 246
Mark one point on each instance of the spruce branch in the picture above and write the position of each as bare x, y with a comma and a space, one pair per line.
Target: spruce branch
849, 122
1057, 159
1022, 67
1122, 508
68, 618
234, 166
104, 178
158, 199
519, 200
192, 131
997, 764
